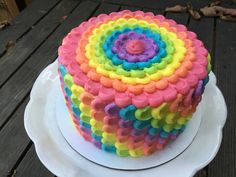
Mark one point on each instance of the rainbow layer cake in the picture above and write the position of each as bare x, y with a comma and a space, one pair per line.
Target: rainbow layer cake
132, 80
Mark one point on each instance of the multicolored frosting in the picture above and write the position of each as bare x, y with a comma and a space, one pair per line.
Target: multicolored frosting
132, 80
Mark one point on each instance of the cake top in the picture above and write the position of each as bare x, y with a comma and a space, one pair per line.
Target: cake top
135, 57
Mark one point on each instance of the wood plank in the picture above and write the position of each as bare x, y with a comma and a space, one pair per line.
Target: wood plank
31, 166
21, 82
13, 141
181, 18
225, 54
155, 11
26, 46
131, 8
145, 4
201, 173
24, 21
106, 9
161, 5
204, 29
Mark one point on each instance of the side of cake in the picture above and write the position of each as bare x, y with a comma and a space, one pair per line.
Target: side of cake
132, 80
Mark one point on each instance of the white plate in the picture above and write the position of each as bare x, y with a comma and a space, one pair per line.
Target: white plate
58, 156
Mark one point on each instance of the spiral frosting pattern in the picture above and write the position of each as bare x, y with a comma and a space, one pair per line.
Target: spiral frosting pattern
132, 80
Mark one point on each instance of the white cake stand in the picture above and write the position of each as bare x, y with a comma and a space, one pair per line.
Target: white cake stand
45, 110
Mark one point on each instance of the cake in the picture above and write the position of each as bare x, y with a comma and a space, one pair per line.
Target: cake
132, 80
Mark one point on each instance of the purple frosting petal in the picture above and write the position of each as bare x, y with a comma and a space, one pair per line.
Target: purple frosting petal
112, 110
125, 123
199, 90
119, 47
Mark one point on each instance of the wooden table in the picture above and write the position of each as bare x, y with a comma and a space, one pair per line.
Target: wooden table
36, 34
